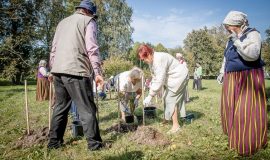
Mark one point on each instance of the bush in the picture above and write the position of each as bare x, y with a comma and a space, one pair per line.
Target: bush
115, 65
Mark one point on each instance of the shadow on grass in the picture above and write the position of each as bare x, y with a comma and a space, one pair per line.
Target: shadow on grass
9, 83
203, 88
191, 99
16, 90
112, 115
127, 156
197, 115
11, 92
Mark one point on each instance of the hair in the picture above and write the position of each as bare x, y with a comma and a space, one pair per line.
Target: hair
84, 11
135, 73
144, 51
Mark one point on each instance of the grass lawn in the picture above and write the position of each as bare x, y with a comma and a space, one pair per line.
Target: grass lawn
201, 139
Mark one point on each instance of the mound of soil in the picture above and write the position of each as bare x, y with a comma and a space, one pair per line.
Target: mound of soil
34, 138
122, 128
149, 136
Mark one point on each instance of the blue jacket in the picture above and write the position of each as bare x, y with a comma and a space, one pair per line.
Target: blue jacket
234, 62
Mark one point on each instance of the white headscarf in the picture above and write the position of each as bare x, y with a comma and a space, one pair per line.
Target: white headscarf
42, 63
235, 18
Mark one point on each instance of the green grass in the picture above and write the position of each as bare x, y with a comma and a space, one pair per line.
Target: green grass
202, 139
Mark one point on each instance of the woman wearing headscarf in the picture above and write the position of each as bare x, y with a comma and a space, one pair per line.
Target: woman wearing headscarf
167, 73
243, 99
42, 92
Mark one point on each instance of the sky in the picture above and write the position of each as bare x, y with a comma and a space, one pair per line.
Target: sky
169, 21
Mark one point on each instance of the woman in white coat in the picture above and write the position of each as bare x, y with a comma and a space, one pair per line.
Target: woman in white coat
130, 88
168, 73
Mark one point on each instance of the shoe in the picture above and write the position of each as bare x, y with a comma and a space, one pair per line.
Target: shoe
55, 145
95, 147
173, 131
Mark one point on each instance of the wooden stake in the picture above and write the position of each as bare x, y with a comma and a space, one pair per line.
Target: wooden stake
143, 99
118, 100
50, 104
97, 103
110, 92
26, 107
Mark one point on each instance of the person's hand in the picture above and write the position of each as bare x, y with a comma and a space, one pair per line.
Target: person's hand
233, 36
50, 78
99, 81
136, 102
147, 100
220, 78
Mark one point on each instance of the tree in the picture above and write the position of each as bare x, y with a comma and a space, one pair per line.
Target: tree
175, 50
160, 48
114, 26
268, 35
115, 65
266, 50
52, 12
18, 20
114, 18
203, 48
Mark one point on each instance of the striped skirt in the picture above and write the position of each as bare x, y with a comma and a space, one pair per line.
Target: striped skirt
243, 110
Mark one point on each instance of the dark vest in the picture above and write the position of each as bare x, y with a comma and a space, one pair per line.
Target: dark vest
234, 62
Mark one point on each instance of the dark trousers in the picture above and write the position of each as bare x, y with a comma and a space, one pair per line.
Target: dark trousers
199, 83
78, 89
195, 84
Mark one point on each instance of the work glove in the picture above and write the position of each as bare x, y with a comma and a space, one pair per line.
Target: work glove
136, 102
220, 78
147, 100
233, 36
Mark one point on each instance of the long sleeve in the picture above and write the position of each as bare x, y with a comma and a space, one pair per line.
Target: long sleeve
159, 70
53, 50
222, 69
44, 71
92, 47
249, 48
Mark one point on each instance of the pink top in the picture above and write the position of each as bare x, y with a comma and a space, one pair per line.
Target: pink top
91, 47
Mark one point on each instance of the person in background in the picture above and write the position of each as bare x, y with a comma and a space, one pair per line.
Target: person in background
243, 98
181, 59
130, 88
199, 76
73, 60
168, 73
195, 79
42, 91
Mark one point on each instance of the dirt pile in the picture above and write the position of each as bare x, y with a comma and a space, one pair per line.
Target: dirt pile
35, 137
149, 136
122, 128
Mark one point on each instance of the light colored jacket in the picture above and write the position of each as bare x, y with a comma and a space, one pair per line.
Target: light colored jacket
125, 85
70, 55
166, 71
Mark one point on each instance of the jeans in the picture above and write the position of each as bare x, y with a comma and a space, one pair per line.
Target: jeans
79, 90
